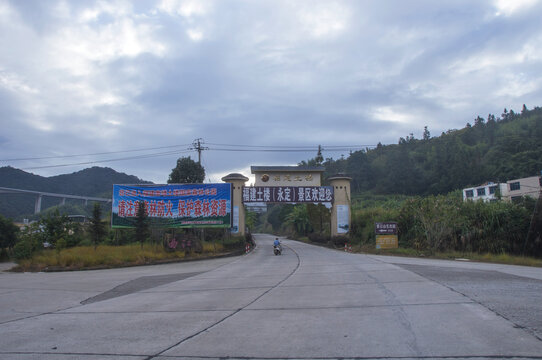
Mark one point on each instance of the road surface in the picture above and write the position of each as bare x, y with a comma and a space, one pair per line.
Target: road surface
310, 302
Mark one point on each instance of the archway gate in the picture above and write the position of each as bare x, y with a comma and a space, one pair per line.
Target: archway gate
291, 185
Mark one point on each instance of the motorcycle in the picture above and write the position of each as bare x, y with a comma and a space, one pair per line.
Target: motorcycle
277, 249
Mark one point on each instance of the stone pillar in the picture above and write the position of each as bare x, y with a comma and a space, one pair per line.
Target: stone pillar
341, 203
237, 182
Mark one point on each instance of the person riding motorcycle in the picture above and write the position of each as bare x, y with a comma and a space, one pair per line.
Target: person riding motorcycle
276, 243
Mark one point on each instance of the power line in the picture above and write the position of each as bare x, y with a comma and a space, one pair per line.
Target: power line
197, 145
93, 154
145, 156
361, 146
278, 150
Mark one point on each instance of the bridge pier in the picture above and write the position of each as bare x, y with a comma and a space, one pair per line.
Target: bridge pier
37, 206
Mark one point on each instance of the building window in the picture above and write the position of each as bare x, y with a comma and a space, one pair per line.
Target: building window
516, 199
514, 186
481, 191
469, 193
492, 190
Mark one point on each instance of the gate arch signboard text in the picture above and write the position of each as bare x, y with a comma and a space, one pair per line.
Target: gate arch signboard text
287, 194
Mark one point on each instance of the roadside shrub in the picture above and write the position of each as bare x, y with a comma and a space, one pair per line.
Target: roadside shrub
438, 218
87, 242
447, 223
318, 238
61, 243
339, 240
108, 240
249, 239
408, 223
211, 235
234, 242
494, 227
124, 236
23, 250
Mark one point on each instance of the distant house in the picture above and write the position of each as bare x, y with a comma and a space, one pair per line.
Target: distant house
512, 190
487, 192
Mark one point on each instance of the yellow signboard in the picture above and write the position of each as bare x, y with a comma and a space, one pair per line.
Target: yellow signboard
387, 242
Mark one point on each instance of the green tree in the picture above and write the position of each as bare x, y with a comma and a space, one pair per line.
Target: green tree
187, 171
359, 167
479, 121
251, 218
30, 240
142, 223
55, 226
319, 216
426, 133
97, 228
8, 233
319, 158
299, 219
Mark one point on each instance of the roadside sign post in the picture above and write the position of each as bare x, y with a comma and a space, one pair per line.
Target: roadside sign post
386, 235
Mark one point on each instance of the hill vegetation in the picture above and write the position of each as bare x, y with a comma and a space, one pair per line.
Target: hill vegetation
491, 149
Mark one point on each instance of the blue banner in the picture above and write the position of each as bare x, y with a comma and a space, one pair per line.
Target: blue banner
174, 205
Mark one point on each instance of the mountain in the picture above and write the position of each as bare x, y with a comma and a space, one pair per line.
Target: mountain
95, 182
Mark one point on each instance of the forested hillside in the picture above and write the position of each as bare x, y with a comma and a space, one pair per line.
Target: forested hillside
95, 181
491, 149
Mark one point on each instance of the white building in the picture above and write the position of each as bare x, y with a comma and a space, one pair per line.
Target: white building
512, 190
486, 192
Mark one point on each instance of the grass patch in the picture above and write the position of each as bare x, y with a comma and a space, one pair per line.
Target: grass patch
501, 258
105, 256
371, 249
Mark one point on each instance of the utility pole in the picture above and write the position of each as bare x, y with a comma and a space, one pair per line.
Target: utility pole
196, 145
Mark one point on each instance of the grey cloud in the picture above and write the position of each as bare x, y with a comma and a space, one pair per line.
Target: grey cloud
263, 74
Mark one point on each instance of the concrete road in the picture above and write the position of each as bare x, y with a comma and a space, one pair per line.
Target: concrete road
310, 302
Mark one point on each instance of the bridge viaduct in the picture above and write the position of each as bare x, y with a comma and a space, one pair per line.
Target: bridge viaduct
41, 194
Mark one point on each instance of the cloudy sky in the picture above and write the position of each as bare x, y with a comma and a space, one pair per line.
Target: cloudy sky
131, 84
